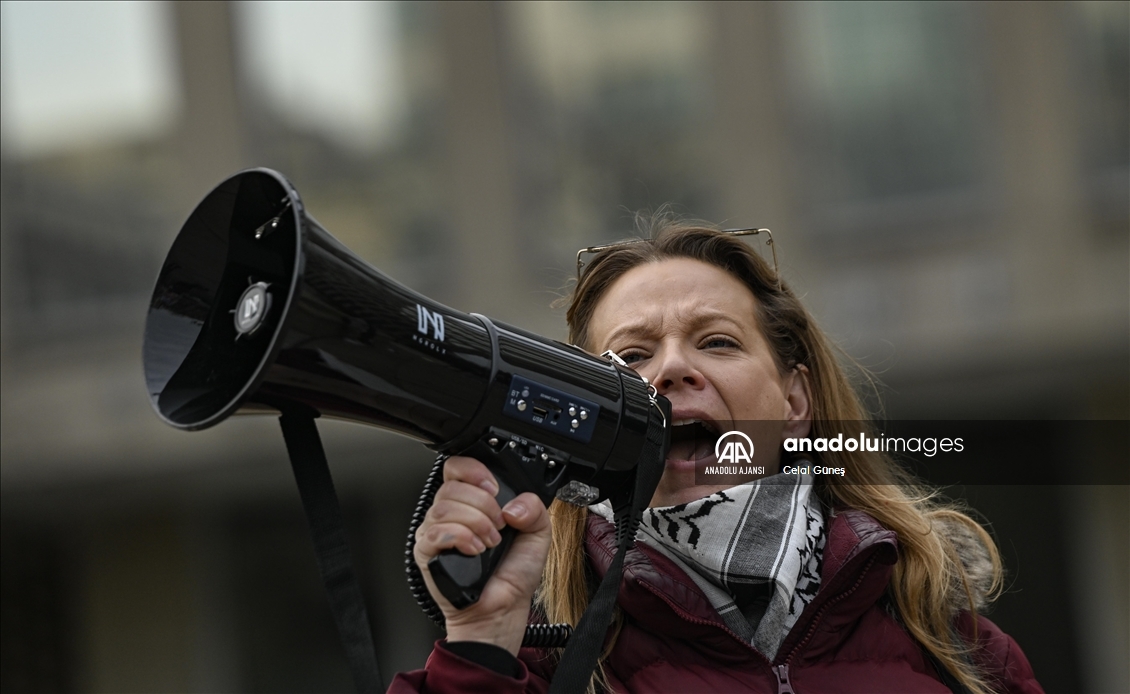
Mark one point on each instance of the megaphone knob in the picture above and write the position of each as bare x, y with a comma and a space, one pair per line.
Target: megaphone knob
267, 228
273, 223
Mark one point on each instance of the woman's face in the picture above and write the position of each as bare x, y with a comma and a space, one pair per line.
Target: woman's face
692, 329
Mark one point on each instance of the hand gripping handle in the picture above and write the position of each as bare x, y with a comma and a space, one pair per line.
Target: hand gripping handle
518, 466
460, 577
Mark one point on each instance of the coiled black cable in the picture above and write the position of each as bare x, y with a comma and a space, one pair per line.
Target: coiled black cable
547, 635
416, 579
537, 635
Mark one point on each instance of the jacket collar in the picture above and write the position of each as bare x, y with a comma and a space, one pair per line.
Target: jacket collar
858, 558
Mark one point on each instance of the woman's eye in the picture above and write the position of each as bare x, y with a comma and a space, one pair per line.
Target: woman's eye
719, 343
631, 357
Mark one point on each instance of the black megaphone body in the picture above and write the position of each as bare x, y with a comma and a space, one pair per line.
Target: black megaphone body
258, 309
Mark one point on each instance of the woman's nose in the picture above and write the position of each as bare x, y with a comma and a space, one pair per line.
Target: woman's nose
675, 370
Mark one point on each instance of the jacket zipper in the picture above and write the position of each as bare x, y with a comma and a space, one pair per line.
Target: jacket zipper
783, 684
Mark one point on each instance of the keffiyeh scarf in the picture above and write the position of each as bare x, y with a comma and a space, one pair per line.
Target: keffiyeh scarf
754, 550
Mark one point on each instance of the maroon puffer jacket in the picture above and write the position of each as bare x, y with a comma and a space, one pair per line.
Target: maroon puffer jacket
674, 641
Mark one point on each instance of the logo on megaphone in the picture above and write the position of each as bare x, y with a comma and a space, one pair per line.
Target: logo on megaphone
734, 447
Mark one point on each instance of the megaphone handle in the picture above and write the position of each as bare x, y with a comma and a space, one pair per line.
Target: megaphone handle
461, 578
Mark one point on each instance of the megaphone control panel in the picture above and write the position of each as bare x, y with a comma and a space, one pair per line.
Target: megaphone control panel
551, 409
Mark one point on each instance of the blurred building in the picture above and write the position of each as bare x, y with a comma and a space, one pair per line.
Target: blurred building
948, 184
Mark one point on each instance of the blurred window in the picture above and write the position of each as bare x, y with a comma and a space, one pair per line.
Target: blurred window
886, 94
610, 104
332, 68
346, 99
1105, 63
1103, 50
90, 97
77, 74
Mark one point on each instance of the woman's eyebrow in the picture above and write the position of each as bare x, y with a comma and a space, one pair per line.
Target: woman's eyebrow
651, 327
641, 329
699, 320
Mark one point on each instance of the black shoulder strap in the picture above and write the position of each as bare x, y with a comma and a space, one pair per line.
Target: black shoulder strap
581, 655
327, 527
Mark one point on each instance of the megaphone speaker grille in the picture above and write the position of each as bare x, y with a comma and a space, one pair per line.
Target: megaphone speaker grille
215, 313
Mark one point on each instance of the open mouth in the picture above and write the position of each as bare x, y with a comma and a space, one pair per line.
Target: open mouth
692, 439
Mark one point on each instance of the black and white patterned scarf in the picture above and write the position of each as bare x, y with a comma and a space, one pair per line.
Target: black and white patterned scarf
754, 550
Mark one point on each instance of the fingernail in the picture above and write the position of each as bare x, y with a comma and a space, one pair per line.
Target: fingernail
490, 487
517, 510
478, 544
495, 537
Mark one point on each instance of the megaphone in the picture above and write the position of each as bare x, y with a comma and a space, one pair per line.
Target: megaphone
259, 309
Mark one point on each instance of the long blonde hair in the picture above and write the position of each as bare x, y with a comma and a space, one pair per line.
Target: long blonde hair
929, 584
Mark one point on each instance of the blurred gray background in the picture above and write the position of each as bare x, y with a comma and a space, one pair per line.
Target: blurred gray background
948, 184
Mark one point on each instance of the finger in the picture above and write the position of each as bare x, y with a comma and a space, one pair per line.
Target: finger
463, 469
444, 512
475, 497
527, 513
444, 536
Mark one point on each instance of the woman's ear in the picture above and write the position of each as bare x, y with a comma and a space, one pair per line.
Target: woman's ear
798, 418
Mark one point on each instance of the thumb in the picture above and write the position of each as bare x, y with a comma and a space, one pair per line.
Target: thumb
527, 513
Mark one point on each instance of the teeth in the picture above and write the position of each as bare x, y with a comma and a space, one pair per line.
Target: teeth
706, 425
